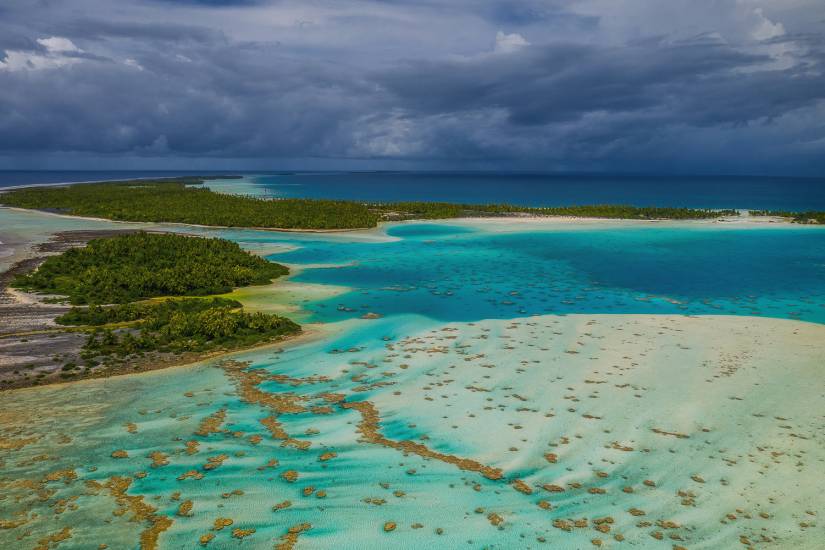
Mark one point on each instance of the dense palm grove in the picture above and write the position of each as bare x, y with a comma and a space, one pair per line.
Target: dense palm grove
178, 201
126, 270
162, 310
175, 325
181, 201
143, 265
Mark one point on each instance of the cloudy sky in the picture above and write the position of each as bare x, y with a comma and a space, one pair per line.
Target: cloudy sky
697, 86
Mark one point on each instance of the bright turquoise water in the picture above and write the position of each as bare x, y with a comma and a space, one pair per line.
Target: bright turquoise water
455, 273
458, 365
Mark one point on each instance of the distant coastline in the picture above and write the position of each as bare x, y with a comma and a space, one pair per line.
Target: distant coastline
15, 179
520, 188
185, 200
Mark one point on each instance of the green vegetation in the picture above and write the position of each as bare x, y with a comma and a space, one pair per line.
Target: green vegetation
176, 326
811, 216
127, 313
181, 201
142, 265
175, 201
441, 210
125, 270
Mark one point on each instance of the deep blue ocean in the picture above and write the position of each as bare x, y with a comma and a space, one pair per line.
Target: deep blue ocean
528, 189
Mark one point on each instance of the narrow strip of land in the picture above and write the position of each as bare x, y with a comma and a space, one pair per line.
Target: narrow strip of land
184, 201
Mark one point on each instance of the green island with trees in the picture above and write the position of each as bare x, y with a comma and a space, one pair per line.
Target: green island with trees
144, 265
184, 201
810, 216
138, 291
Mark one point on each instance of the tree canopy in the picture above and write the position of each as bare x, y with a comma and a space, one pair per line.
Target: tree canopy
181, 201
126, 268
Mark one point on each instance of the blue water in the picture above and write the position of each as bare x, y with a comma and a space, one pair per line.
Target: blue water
12, 178
528, 189
454, 273
777, 193
537, 389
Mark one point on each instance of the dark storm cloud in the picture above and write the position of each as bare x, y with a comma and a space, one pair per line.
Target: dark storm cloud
301, 82
699, 84
211, 3
563, 82
93, 29
226, 104
511, 12
15, 40
526, 12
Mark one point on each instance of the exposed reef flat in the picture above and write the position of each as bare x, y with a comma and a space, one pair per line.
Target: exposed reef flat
652, 431
35, 349
22, 231
32, 345
548, 431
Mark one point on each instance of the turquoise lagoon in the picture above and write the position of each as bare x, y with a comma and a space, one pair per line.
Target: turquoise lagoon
456, 273
532, 385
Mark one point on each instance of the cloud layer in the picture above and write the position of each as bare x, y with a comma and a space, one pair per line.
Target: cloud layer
630, 85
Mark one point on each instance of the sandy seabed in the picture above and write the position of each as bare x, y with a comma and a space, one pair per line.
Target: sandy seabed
576, 431
549, 431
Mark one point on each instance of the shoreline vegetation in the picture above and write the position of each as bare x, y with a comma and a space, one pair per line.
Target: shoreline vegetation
809, 217
146, 299
134, 301
142, 265
182, 200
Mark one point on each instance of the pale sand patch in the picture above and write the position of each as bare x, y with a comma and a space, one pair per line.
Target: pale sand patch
284, 296
511, 224
721, 413
264, 249
736, 403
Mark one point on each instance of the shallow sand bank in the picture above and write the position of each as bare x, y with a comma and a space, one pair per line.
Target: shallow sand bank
687, 431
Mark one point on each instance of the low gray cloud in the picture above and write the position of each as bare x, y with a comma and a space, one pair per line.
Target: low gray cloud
532, 84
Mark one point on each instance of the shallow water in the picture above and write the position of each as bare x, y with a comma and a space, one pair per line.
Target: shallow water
455, 272
506, 364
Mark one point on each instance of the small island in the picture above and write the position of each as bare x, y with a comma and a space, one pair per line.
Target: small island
807, 217
144, 300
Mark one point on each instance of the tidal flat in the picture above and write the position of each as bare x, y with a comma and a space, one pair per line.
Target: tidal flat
468, 386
